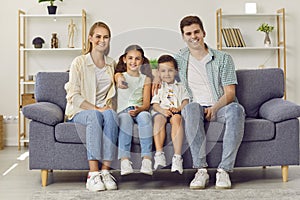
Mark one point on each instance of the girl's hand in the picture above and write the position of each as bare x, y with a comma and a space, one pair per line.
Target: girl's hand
134, 112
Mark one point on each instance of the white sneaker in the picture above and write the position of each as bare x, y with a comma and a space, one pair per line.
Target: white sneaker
146, 166
222, 180
159, 160
126, 167
108, 180
94, 182
201, 179
177, 164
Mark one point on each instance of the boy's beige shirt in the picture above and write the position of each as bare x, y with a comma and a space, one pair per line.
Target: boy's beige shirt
82, 84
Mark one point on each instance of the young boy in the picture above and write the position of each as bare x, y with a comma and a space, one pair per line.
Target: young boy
167, 105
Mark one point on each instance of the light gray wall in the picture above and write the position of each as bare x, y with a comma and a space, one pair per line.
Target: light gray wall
152, 24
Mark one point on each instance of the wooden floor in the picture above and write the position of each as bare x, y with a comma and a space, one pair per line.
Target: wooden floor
18, 182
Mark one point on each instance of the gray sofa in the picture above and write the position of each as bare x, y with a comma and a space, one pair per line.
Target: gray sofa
271, 129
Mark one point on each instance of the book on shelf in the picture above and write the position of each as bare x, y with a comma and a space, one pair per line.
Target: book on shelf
233, 37
241, 37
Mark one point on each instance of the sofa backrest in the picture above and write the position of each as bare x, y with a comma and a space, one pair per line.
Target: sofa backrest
49, 87
257, 86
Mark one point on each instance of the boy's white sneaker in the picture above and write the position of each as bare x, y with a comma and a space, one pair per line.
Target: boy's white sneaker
222, 180
159, 160
108, 180
94, 182
201, 179
177, 163
126, 167
146, 166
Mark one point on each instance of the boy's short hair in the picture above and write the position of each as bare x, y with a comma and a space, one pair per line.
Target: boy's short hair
167, 58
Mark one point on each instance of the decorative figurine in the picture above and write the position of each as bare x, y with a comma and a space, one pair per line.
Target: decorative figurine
54, 41
38, 42
71, 30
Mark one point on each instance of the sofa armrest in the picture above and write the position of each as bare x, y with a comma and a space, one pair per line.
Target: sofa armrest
277, 110
44, 112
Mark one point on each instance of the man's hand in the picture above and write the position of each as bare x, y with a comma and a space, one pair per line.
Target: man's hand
155, 85
210, 113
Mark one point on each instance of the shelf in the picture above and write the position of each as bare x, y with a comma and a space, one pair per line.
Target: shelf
250, 15
32, 60
51, 49
251, 48
27, 82
51, 16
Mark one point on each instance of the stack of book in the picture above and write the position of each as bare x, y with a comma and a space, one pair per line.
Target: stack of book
233, 37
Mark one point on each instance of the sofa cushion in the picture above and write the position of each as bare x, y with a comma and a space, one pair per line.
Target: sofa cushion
44, 112
255, 130
277, 110
258, 86
70, 132
49, 87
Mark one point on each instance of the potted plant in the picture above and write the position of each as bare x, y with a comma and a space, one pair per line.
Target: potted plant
266, 28
52, 8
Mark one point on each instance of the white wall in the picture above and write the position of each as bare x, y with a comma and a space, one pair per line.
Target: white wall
152, 24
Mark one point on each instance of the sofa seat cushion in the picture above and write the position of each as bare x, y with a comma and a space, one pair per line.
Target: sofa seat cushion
69, 132
255, 130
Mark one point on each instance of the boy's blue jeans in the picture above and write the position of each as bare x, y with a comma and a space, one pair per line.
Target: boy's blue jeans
233, 117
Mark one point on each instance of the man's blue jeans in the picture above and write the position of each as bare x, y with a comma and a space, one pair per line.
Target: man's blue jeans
144, 122
233, 117
101, 133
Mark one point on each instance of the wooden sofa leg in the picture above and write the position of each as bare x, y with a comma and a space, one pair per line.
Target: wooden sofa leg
44, 176
285, 173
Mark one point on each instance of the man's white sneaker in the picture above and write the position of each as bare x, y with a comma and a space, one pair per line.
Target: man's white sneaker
159, 160
201, 179
126, 167
222, 180
146, 166
108, 180
177, 164
94, 182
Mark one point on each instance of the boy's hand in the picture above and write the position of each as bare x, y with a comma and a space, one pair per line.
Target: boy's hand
167, 113
174, 110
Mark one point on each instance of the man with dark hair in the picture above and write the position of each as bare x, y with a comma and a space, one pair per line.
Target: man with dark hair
210, 79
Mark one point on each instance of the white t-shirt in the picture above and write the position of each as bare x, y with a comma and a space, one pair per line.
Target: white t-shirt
103, 83
198, 81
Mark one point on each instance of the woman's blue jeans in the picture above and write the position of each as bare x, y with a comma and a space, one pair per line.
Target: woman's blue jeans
232, 115
101, 133
126, 122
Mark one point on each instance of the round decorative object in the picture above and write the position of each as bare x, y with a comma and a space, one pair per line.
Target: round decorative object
38, 42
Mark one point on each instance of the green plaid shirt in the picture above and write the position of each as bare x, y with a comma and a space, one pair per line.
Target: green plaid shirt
220, 71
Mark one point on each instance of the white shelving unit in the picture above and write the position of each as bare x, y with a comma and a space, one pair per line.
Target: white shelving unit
248, 23
27, 53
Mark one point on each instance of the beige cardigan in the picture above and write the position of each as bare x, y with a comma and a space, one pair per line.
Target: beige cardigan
82, 84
